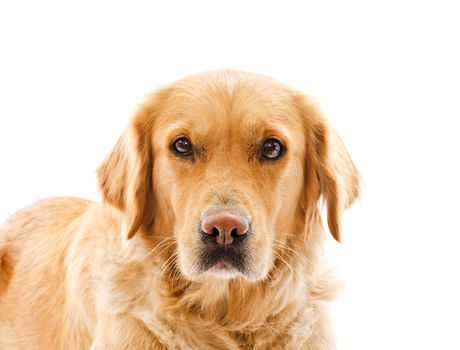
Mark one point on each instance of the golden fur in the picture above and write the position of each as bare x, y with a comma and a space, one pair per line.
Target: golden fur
122, 274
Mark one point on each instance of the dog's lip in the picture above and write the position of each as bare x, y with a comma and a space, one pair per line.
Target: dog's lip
223, 265
223, 258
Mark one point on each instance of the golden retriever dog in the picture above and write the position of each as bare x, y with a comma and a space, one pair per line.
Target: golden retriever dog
209, 235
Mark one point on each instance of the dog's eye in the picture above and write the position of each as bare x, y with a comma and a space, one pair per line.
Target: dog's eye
271, 149
182, 147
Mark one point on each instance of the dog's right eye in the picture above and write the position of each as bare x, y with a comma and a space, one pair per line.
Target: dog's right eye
182, 147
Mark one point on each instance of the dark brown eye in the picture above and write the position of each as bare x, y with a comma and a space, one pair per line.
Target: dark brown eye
182, 147
271, 149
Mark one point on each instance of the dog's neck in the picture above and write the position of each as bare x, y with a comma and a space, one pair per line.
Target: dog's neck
237, 303
236, 311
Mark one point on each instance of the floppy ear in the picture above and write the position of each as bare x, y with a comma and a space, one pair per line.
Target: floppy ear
125, 176
330, 171
339, 179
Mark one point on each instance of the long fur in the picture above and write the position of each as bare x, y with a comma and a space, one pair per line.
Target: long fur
75, 274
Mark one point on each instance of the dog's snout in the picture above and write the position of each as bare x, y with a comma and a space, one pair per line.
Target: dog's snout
225, 228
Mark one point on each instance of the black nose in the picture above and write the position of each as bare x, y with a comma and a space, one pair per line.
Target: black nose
224, 228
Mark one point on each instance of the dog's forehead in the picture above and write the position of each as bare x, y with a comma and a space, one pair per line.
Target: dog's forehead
229, 102
234, 93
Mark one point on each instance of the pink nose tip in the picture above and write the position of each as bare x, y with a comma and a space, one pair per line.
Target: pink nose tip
224, 226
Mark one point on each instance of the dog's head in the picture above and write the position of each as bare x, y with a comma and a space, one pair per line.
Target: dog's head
233, 165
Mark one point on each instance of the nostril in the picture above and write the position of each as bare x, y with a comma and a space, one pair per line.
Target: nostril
214, 232
234, 233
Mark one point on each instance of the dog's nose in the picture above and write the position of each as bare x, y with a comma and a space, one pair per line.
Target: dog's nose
225, 227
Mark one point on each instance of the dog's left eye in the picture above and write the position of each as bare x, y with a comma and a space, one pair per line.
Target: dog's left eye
182, 147
271, 149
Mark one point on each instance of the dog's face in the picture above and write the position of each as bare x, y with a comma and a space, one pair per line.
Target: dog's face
233, 164
228, 156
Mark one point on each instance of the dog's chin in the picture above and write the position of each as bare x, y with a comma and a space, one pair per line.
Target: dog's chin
223, 271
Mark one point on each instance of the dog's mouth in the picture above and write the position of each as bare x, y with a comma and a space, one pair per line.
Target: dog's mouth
223, 259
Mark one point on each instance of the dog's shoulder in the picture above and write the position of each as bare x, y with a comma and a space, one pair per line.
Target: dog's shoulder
34, 225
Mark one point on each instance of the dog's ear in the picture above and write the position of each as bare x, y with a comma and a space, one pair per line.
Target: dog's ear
338, 177
330, 172
125, 176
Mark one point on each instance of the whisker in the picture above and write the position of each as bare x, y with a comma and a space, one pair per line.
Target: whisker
289, 266
167, 264
168, 242
286, 248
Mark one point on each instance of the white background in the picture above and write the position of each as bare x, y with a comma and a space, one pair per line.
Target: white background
386, 73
